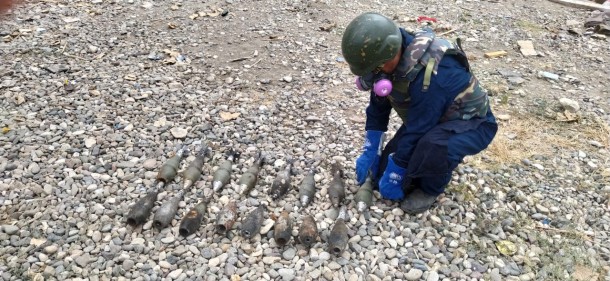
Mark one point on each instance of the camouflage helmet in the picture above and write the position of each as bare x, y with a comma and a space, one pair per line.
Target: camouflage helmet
369, 41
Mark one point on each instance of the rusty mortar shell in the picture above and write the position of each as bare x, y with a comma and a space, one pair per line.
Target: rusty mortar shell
281, 184
336, 190
192, 220
252, 224
282, 231
308, 232
337, 239
165, 214
169, 169
141, 209
307, 189
226, 218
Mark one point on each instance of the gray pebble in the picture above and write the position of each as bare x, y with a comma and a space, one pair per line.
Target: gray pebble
128, 264
286, 274
51, 249
82, 260
34, 168
433, 276
207, 253
10, 229
495, 275
289, 254
324, 256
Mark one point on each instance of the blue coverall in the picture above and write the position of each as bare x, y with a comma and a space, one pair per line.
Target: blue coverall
428, 149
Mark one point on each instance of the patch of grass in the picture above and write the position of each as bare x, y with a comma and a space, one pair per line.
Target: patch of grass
510, 145
496, 88
465, 16
562, 251
462, 191
590, 129
525, 135
564, 256
529, 26
504, 99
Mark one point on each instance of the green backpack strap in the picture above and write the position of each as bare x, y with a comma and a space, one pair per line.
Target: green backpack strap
428, 73
427, 51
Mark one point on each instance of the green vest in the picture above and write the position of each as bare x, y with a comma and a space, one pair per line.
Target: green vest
424, 53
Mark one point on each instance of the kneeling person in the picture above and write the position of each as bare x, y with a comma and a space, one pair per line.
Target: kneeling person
445, 113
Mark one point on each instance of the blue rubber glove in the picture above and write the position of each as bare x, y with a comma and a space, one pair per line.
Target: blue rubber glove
369, 159
390, 184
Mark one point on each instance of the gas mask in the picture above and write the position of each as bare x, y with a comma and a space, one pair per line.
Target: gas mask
380, 83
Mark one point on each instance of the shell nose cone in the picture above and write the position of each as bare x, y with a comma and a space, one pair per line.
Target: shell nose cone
304, 200
362, 206
216, 185
242, 188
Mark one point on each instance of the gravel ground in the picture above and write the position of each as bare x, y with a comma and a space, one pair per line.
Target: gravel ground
97, 94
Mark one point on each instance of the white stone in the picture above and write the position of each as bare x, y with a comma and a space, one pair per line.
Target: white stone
267, 225
436, 219
270, 260
214, 262
538, 166
414, 274
569, 104
286, 273
433, 276
90, 142
175, 274
179, 133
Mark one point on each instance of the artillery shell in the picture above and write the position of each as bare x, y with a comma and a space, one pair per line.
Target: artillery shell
141, 210
308, 233
252, 224
165, 214
308, 188
221, 178
192, 220
282, 231
336, 191
168, 171
249, 179
337, 239
279, 187
364, 195
246, 182
227, 164
193, 171
226, 218
281, 184
222, 175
